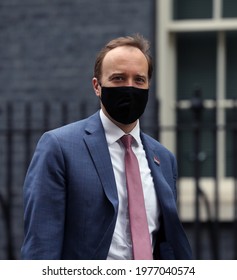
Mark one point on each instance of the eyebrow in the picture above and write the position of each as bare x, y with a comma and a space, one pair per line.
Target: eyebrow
141, 76
123, 74
116, 74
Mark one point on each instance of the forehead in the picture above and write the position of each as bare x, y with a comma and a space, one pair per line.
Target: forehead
125, 58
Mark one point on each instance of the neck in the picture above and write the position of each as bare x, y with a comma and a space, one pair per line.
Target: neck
127, 128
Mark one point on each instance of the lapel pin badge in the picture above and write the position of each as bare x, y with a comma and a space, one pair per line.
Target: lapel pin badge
156, 160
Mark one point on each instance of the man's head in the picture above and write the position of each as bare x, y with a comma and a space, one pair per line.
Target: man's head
122, 74
136, 41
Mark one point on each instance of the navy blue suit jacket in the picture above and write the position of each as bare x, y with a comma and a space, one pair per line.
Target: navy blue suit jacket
71, 200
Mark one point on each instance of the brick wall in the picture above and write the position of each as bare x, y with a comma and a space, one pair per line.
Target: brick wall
47, 52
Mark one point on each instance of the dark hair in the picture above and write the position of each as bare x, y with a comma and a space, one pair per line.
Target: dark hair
136, 41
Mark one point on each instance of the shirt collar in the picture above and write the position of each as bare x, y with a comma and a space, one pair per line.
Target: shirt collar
113, 133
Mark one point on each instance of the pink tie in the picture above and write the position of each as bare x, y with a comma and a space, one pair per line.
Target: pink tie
137, 213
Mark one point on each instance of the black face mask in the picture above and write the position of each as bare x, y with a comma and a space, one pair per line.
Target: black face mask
124, 104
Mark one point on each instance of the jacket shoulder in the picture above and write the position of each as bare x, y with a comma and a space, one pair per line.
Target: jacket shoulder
155, 144
76, 129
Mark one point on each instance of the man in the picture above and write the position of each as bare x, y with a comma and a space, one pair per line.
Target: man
76, 200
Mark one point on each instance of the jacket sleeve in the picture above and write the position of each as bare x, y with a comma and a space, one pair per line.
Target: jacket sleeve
44, 201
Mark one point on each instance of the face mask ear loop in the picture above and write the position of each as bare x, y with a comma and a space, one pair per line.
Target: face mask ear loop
99, 83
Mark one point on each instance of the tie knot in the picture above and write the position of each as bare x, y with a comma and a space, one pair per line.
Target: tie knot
126, 140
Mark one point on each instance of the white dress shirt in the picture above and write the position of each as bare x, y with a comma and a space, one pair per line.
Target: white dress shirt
121, 246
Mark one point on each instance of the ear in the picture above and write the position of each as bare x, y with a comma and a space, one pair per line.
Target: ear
96, 86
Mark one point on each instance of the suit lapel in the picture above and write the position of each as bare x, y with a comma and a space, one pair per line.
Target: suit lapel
97, 146
163, 189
